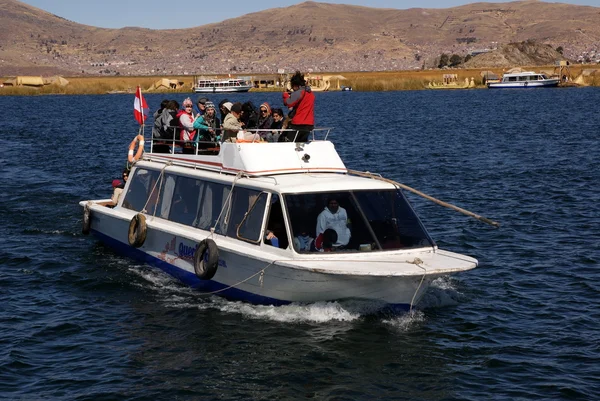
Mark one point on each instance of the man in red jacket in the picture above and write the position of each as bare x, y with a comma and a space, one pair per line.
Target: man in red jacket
301, 103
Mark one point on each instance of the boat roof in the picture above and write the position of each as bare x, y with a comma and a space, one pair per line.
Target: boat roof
282, 167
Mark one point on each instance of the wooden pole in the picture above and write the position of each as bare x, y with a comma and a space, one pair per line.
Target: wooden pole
431, 198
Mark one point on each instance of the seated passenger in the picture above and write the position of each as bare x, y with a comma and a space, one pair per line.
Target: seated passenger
272, 239
325, 241
335, 217
303, 241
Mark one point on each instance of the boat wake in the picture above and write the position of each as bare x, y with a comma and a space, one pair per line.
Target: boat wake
172, 294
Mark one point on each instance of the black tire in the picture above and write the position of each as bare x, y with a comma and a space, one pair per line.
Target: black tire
206, 259
87, 220
137, 231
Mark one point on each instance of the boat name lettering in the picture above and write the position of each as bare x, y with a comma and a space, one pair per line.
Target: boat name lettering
186, 252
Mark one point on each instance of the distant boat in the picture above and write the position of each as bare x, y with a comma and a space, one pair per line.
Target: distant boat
525, 79
222, 85
345, 88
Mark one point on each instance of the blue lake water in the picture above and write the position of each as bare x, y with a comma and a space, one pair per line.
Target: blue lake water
79, 322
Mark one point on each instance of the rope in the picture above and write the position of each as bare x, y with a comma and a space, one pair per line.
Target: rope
417, 262
261, 272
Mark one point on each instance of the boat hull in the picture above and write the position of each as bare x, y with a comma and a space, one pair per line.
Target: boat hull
223, 90
525, 84
247, 273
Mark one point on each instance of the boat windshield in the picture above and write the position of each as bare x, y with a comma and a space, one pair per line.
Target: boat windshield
363, 220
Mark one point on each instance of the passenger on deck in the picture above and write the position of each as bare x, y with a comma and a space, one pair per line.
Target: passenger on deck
157, 127
276, 125
335, 217
208, 126
223, 109
302, 114
202, 105
187, 132
265, 120
234, 127
249, 116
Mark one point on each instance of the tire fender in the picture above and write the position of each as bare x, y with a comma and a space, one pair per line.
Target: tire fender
87, 219
206, 259
137, 230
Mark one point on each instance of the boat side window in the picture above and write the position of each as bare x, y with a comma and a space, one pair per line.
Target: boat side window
242, 199
143, 191
212, 198
185, 200
511, 79
250, 227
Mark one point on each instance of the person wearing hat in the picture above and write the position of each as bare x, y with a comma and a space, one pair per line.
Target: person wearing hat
202, 105
186, 126
232, 124
234, 128
208, 126
224, 110
301, 103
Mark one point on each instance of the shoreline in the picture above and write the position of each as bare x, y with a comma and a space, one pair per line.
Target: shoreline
359, 81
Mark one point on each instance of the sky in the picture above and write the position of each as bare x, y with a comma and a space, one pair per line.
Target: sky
168, 14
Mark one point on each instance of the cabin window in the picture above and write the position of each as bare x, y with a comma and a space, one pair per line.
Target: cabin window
142, 193
276, 223
376, 219
184, 203
212, 198
250, 227
242, 199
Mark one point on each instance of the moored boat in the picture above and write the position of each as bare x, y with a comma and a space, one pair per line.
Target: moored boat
525, 79
221, 85
207, 218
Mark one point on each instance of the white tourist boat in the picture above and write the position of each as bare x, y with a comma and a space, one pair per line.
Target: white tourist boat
204, 219
222, 85
525, 79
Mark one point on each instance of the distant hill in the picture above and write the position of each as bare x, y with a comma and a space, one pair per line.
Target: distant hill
309, 35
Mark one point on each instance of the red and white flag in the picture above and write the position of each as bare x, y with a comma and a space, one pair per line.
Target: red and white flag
140, 107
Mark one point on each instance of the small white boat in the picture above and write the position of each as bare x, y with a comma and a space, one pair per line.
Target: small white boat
206, 219
525, 79
222, 85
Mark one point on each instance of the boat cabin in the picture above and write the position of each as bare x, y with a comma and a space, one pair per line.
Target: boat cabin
251, 189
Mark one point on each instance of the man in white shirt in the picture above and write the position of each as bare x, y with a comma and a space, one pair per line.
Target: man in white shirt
335, 217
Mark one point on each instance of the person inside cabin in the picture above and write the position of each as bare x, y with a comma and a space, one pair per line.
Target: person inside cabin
202, 105
271, 239
325, 242
303, 242
208, 126
187, 132
301, 102
265, 120
334, 217
276, 125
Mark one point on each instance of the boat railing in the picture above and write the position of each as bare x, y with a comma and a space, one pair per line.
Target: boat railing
200, 147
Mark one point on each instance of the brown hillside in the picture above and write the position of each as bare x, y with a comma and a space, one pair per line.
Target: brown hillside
309, 35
